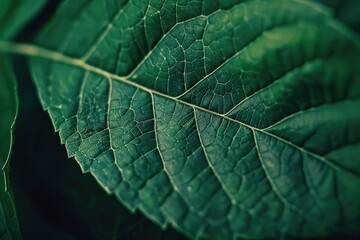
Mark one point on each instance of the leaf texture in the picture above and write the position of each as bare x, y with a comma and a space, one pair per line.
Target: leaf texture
225, 119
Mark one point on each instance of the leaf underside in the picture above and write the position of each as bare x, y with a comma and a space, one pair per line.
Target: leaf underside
224, 119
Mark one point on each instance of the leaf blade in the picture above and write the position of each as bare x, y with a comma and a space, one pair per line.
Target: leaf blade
147, 156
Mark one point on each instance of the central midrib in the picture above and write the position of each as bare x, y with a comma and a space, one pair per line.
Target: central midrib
35, 51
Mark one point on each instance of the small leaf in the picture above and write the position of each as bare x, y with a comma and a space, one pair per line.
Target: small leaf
225, 120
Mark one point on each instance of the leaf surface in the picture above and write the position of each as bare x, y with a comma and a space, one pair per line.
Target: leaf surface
224, 119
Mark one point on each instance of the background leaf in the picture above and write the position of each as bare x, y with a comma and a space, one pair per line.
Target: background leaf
9, 228
13, 15
346, 11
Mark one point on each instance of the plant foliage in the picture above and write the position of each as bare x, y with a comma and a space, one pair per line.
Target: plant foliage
223, 119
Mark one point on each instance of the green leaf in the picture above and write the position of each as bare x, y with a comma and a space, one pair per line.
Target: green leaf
224, 119
9, 228
14, 14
